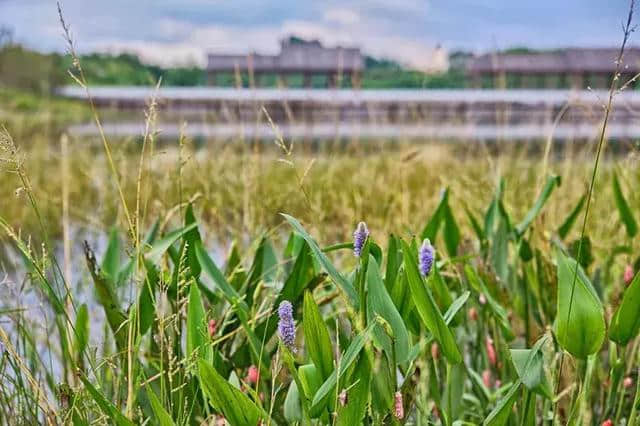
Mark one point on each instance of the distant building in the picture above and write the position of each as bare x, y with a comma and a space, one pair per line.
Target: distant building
435, 60
566, 68
296, 57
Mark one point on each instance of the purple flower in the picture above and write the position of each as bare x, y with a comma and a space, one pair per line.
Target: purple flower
359, 237
286, 327
425, 256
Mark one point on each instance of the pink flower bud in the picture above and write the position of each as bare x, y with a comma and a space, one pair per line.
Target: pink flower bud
220, 421
628, 274
343, 398
435, 351
627, 382
607, 422
213, 326
482, 299
497, 384
473, 314
398, 406
486, 378
491, 351
253, 375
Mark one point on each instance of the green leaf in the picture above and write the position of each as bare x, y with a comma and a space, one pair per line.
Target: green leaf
394, 260
625, 323
357, 394
316, 336
379, 303
160, 247
451, 232
192, 237
110, 266
427, 308
550, 184
566, 226
236, 407
342, 283
106, 406
623, 208
349, 356
196, 323
432, 227
292, 407
579, 325
81, 330
500, 414
529, 365
146, 302
162, 416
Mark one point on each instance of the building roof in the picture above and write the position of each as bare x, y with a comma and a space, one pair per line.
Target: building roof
298, 56
601, 60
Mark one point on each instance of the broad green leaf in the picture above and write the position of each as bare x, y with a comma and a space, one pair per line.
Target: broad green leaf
529, 365
310, 378
106, 406
349, 356
432, 227
550, 184
337, 277
160, 247
455, 307
292, 406
316, 336
394, 260
452, 397
236, 407
110, 266
579, 325
81, 330
500, 414
357, 395
451, 232
146, 302
625, 323
427, 308
162, 416
379, 303
439, 289
566, 226
196, 323
192, 237
623, 208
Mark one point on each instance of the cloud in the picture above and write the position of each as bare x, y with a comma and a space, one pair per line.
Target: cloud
341, 16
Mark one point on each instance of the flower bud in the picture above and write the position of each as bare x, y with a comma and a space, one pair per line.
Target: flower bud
343, 398
491, 351
213, 326
473, 314
425, 256
286, 327
435, 351
398, 406
486, 378
627, 382
253, 375
360, 236
607, 422
628, 274
482, 299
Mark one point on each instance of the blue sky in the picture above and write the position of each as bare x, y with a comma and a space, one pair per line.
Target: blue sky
182, 31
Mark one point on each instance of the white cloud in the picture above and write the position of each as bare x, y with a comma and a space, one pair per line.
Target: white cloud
341, 16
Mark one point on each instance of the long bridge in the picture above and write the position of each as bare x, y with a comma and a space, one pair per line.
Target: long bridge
384, 111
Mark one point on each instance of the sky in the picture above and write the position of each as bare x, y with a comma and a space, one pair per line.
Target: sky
180, 32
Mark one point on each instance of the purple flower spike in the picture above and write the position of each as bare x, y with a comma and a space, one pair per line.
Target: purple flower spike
425, 256
286, 327
359, 237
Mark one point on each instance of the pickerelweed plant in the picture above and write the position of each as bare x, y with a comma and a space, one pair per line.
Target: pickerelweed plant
408, 334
